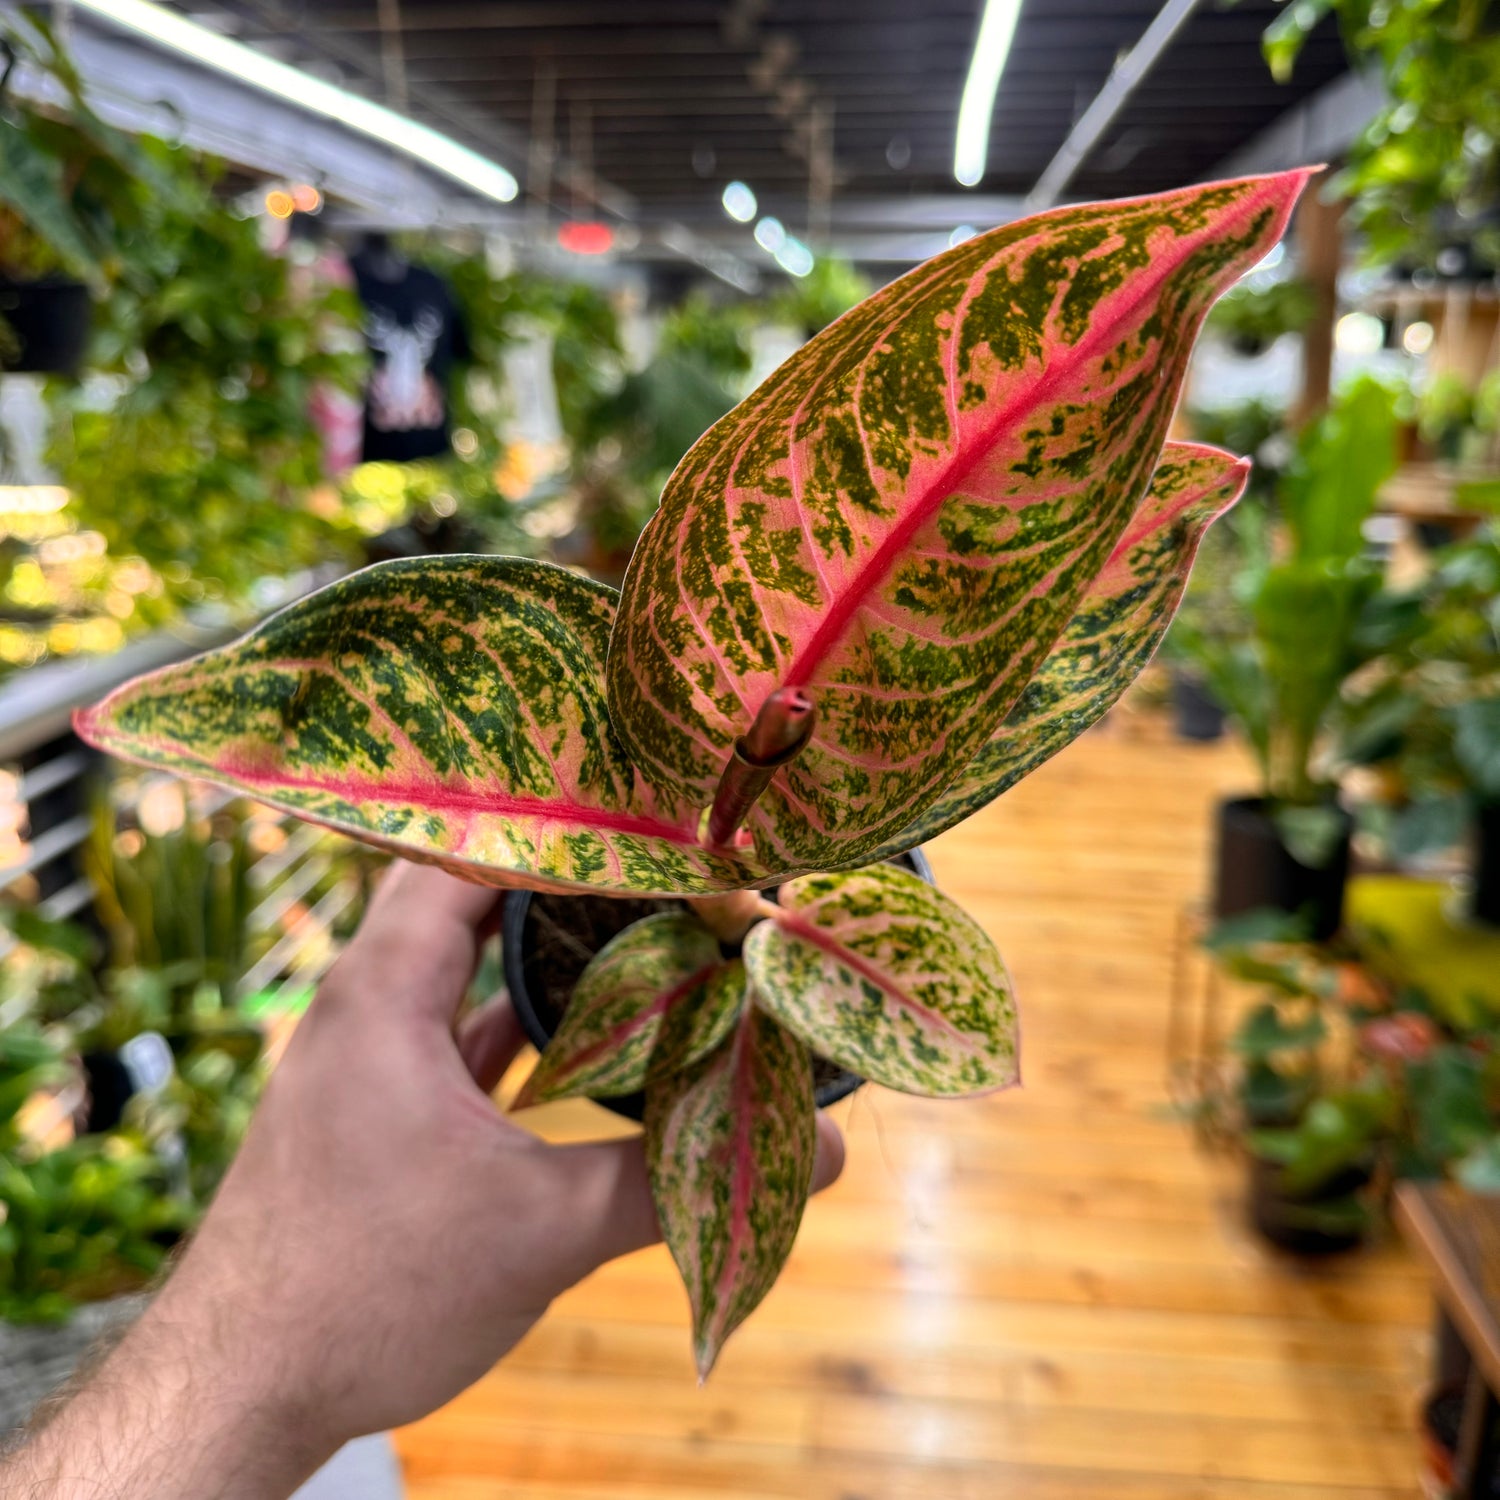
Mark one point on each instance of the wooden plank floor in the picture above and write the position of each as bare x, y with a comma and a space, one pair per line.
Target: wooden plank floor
1044, 1294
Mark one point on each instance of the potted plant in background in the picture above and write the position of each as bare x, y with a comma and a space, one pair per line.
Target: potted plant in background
71, 201
1346, 1079
122, 1100
1428, 717
1280, 676
920, 559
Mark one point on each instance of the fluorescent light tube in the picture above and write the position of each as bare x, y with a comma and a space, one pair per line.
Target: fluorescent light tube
234, 59
971, 145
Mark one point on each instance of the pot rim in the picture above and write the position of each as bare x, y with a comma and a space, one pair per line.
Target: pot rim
514, 912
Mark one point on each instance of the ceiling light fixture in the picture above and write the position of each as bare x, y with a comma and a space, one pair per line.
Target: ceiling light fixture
794, 257
739, 202
770, 234
440, 152
971, 145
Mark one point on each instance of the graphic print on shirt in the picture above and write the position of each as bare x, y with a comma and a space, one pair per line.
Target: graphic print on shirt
403, 393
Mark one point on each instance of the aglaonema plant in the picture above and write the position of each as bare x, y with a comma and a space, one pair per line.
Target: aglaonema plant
930, 550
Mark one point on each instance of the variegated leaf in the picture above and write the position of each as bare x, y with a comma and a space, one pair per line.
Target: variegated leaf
730, 1144
655, 998
1109, 640
881, 973
904, 517
450, 709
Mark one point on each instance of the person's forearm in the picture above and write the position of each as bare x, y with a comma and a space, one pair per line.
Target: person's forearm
169, 1415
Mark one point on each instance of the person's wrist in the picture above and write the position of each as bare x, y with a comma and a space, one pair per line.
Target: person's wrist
206, 1373
175, 1412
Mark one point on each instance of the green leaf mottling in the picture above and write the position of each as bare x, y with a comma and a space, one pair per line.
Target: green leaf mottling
904, 518
655, 998
451, 709
884, 975
1115, 632
730, 1144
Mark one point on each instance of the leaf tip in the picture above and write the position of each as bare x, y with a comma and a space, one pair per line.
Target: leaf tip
532, 1093
86, 724
706, 1351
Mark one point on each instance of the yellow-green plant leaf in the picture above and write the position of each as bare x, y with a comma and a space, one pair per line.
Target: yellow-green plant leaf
1114, 633
881, 973
902, 519
730, 1144
450, 709
654, 999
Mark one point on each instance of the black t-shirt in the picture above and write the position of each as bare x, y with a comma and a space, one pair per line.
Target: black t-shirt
415, 336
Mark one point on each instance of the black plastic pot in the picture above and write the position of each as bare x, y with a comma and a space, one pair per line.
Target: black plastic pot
1254, 869
1196, 716
1288, 1220
600, 918
50, 322
1485, 906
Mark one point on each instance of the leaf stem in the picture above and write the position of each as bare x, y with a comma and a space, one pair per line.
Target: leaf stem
730, 916
778, 736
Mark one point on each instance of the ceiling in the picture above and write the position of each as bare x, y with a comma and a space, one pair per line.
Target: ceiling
652, 106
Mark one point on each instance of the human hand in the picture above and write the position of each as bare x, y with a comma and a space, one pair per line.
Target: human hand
384, 1236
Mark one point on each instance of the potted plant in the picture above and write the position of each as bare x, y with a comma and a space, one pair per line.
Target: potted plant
1427, 718
74, 194
921, 558
1347, 1079
1309, 1181
1280, 674
121, 1105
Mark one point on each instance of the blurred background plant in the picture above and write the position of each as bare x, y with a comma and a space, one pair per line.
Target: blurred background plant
1425, 172
1276, 646
133, 1042
1345, 1077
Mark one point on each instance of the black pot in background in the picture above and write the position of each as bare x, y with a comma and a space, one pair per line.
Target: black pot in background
1485, 905
50, 320
608, 916
1196, 716
1254, 869
1282, 1217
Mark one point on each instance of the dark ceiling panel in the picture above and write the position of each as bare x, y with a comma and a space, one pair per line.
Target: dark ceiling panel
653, 91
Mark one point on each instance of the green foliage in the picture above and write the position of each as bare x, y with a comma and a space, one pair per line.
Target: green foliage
84, 1221
1338, 1131
1428, 714
90, 1216
1253, 316
202, 457
1280, 665
810, 303
179, 901
1340, 1071
74, 192
1454, 1108
1430, 159
628, 437
1458, 420
1264, 1033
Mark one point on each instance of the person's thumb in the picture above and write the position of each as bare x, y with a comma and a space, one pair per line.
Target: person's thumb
611, 1190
